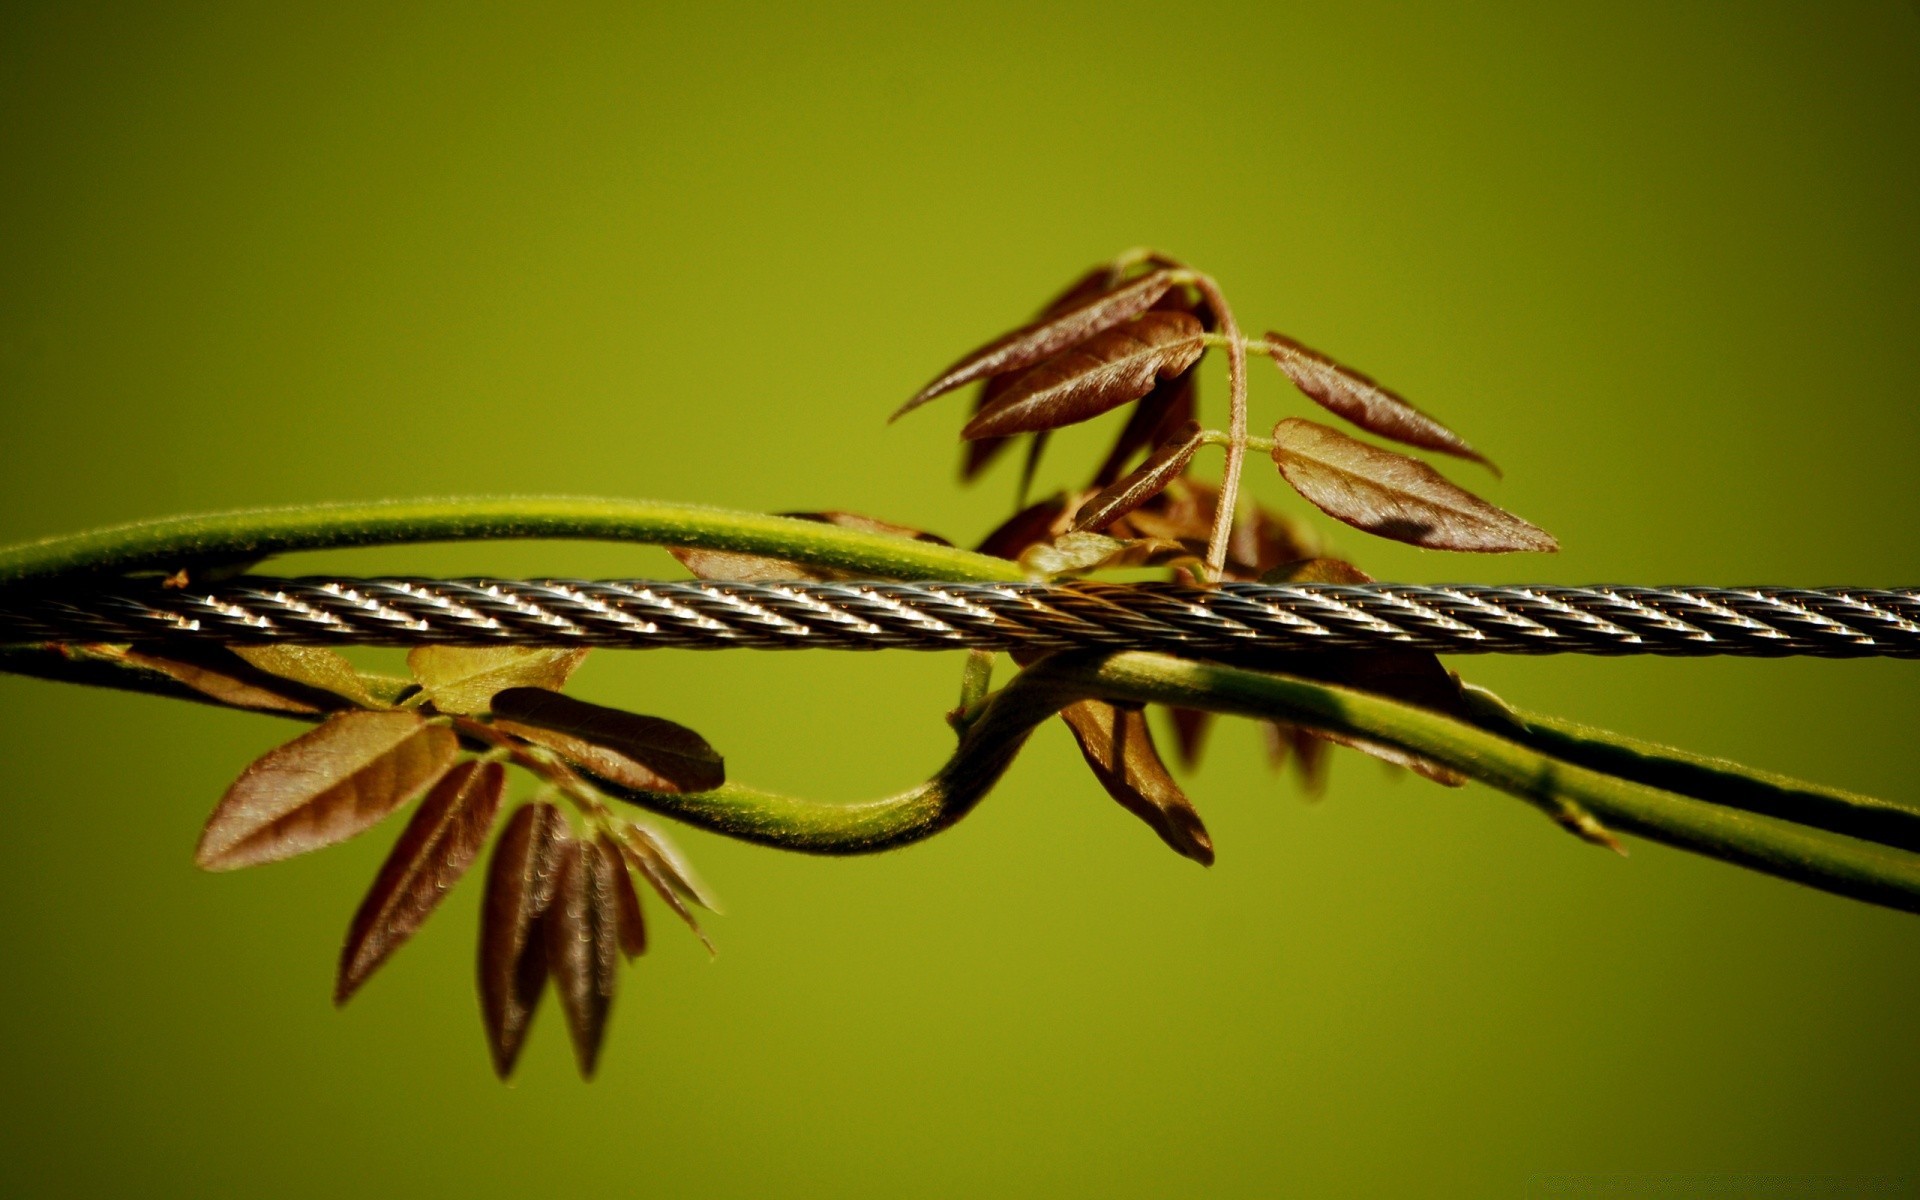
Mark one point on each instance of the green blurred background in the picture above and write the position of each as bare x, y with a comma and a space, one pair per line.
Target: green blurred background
1661, 261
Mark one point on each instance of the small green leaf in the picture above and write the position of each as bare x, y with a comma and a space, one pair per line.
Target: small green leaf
463, 679
315, 666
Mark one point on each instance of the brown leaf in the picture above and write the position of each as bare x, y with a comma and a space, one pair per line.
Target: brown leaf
1119, 747
629, 921
434, 851
1047, 337
1038, 522
1309, 754
645, 854
673, 866
1106, 371
1152, 478
1359, 399
219, 674
1394, 496
647, 754
315, 666
513, 954
1190, 727
583, 944
324, 787
1157, 419
463, 679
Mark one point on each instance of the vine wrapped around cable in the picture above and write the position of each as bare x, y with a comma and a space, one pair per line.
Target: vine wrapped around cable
573, 858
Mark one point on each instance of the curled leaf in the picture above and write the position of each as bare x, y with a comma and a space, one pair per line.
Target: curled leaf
463, 679
644, 854
324, 787
647, 754
1152, 478
1078, 553
1106, 371
1119, 748
1359, 399
1046, 337
315, 666
434, 851
1394, 496
583, 944
513, 954
629, 922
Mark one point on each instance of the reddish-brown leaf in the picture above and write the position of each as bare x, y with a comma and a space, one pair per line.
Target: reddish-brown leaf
1159, 416
1102, 373
1047, 337
583, 944
324, 787
1190, 727
1359, 399
219, 674
1152, 478
1394, 496
1038, 522
434, 851
463, 679
629, 920
315, 666
1309, 754
648, 754
513, 954
1119, 747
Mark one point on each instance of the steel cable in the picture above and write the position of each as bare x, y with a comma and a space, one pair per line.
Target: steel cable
1450, 618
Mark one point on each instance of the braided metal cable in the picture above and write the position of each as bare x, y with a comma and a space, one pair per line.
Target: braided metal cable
1451, 619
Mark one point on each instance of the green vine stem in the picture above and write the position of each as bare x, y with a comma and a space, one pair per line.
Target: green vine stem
248, 535
1566, 770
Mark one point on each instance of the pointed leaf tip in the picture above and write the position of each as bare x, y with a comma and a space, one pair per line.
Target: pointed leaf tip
1359, 399
1118, 746
513, 955
1112, 368
324, 787
1393, 496
583, 945
432, 854
1046, 337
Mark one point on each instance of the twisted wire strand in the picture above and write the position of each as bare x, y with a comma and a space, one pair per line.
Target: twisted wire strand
637, 614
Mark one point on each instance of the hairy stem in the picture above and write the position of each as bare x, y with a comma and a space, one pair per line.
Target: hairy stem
1236, 426
1000, 726
248, 535
1843, 866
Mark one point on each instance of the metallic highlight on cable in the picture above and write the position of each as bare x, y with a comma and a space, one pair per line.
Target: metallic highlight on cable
647, 614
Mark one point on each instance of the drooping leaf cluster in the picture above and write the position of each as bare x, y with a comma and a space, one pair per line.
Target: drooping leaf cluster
560, 901
561, 904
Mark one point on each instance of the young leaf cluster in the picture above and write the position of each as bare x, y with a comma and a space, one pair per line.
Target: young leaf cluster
560, 903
